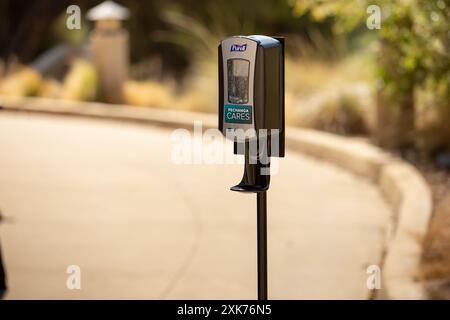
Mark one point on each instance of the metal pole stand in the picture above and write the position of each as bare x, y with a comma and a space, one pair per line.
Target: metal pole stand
262, 244
254, 181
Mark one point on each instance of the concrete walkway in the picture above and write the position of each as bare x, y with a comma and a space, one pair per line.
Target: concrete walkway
106, 196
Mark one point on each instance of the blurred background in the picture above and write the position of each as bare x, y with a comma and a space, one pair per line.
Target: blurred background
389, 85
340, 75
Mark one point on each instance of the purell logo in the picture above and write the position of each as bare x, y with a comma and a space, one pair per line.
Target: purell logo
238, 47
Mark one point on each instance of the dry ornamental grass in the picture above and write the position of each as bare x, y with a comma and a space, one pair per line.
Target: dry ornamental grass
436, 257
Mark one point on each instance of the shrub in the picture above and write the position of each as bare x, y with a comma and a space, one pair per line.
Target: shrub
81, 82
148, 93
25, 82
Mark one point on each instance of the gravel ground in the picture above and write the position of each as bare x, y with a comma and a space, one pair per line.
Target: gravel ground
436, 256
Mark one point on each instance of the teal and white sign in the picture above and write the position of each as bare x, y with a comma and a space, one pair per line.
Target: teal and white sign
237, 114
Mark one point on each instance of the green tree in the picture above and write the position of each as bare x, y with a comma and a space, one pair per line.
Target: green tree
412, 54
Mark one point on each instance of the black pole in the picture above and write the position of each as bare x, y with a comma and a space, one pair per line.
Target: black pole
262, 244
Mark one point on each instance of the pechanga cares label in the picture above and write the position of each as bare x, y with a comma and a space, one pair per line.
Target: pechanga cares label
237, 114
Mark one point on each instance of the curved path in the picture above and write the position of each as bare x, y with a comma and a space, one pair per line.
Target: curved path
107, 197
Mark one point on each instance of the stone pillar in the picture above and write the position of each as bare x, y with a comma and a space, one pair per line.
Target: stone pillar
109, 52
109, 49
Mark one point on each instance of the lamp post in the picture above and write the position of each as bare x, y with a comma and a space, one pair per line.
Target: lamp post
109, 49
